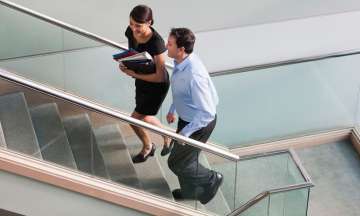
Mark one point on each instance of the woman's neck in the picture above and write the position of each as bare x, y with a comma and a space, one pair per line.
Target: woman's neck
145, 37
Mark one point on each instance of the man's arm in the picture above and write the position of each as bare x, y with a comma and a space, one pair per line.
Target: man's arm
170, 117
201, 96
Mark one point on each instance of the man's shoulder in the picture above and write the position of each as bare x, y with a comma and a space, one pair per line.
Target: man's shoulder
197, 67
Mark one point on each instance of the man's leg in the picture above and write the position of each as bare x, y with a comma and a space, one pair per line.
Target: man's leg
184, 162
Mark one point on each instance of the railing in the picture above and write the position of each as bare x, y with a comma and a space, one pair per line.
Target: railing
206, 147
261, 196
114, 113
124, 117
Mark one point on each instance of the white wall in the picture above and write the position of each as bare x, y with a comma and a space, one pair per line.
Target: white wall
110, 17
238, 46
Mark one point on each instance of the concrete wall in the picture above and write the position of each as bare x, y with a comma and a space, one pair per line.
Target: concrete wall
31, 198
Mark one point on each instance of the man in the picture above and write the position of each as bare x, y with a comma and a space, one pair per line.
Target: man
194, 100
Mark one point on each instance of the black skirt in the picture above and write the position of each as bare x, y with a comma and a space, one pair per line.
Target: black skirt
149, 96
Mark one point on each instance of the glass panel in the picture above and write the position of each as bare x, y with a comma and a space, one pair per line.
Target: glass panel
271, 104
286, 101
223, 201
57, 57
291, 203
23, 35
357, 110
98, 145
259, 174
259, 209
103, 146
294, 175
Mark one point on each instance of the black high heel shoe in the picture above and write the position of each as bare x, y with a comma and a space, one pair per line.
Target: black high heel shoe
139, 158
167, 149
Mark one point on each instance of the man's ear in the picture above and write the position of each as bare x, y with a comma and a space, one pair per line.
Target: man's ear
182, 49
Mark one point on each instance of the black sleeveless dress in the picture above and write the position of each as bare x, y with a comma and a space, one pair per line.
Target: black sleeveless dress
149, 95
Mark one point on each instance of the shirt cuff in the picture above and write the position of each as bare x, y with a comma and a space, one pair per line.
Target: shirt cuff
185, 132
172, 109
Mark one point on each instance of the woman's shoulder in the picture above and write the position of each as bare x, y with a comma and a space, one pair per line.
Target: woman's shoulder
156, 36
156, 43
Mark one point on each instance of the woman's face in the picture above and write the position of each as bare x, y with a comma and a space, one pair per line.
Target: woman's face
139, 29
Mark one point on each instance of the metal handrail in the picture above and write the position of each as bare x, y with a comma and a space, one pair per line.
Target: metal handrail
267, 193
213, 74
286, 62
307, 184
61, 24
114, 113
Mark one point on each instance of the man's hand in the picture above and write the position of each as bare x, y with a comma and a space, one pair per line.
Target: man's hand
170, 117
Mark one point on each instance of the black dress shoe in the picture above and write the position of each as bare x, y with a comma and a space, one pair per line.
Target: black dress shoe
139, 158
212, 189
177, 194
167, 149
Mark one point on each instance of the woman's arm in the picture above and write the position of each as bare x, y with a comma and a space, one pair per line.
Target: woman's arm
158, 76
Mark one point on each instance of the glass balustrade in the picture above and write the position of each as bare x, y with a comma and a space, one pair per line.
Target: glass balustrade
287, 101
255, 107
96, 144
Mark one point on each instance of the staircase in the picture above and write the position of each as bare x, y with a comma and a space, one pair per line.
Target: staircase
103, 151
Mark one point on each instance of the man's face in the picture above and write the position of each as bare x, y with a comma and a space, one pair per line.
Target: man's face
172, 47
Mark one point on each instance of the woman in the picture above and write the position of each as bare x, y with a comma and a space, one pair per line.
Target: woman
151, 89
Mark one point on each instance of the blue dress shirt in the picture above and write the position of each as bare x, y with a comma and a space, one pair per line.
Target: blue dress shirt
194, 94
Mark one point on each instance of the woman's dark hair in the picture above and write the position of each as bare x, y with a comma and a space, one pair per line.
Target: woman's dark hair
142, 14
184, 38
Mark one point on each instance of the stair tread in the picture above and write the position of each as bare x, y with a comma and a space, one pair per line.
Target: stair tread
83, 145
116, 156
51, 135
212, 206
149, 172
2, 138
17, 126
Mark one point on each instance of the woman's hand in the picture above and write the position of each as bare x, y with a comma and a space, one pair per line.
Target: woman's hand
127, 71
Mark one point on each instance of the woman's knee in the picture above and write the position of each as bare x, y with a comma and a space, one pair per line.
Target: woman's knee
148, 119
137, 115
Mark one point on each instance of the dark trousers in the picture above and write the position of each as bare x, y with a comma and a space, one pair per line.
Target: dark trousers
184, 162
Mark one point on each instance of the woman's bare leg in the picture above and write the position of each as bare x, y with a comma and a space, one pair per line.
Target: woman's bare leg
154, 121
142, 134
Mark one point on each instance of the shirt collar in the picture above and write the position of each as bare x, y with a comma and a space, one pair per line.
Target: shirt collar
184, 63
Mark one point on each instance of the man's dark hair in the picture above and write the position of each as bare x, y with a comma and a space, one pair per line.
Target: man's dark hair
184, 38
142, 14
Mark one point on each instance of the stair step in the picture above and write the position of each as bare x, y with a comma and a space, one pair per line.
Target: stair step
173, 181
51, 135
149, 172
116, 156
218, 204
83, 145
17, 126
2, 138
